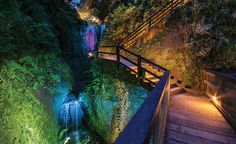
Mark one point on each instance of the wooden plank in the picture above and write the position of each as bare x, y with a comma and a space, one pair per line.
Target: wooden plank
186, 112
194, 119
201, 134
195, 109
172, 141
192, 96
185, 138
202, 126
200, 106
200, 120
203, 96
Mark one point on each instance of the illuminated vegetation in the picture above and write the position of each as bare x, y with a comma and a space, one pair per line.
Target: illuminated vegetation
195, 36
112, 99
34, 34
25, 115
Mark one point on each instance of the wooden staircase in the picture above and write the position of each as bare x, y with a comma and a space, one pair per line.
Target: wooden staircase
148, 75
174, 88
155, 19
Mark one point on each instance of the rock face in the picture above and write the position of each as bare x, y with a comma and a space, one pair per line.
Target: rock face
110, 102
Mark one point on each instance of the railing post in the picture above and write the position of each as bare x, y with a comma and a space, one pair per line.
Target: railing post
150, 22
118, 56
139, 67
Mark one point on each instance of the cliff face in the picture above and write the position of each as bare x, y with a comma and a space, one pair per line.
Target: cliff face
43, 56
32, 33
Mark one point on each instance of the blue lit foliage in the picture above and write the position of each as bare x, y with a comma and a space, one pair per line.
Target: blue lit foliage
74, 3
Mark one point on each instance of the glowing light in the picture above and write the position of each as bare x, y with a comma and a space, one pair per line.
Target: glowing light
215, 100
84, 15
90, 54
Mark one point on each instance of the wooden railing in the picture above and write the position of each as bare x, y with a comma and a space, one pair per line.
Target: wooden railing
221, 89
153, 20
148, 123
136, 60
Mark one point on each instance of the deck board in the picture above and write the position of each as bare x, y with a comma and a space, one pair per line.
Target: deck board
192, 119
195, 120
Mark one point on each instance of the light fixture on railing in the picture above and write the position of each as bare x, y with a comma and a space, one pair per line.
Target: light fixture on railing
215, 100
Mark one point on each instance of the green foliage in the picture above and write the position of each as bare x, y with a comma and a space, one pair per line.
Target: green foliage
27, 27
19, 33
24, 118
208, 39
111, 100
125, 18
119, 26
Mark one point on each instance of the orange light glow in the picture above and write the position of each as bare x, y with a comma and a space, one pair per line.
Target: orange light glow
215, 100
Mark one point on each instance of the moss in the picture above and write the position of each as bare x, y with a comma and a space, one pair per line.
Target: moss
111, 99
24, 118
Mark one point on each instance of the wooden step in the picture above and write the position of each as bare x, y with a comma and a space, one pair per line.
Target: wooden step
176, 90
173, 85
147, 74
143, 66
153, 79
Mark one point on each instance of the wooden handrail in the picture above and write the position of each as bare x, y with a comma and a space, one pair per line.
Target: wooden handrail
142, 24
129, 51
139, 60
154, 64
136, 64
153, 19
148, 124
145, 127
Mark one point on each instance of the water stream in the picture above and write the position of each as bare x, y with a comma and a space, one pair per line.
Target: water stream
69, 105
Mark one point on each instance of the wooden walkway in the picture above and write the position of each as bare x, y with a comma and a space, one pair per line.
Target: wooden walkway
195, 120
114, 58
192, 119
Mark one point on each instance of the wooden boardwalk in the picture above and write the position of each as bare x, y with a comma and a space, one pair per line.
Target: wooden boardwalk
195, 120
192, 119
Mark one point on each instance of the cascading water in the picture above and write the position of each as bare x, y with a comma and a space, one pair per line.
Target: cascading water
66, 115
91, 37
72, 113
68, 106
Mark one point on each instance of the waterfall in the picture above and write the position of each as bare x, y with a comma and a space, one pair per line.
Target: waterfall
91, 37
66, 114
76, 116
73, 114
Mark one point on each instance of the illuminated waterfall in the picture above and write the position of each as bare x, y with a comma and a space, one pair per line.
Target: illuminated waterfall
91, 37
66, 114
73, 114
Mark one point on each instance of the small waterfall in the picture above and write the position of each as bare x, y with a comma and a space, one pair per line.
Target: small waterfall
73, 114
76, 116
66, 114
91, 37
